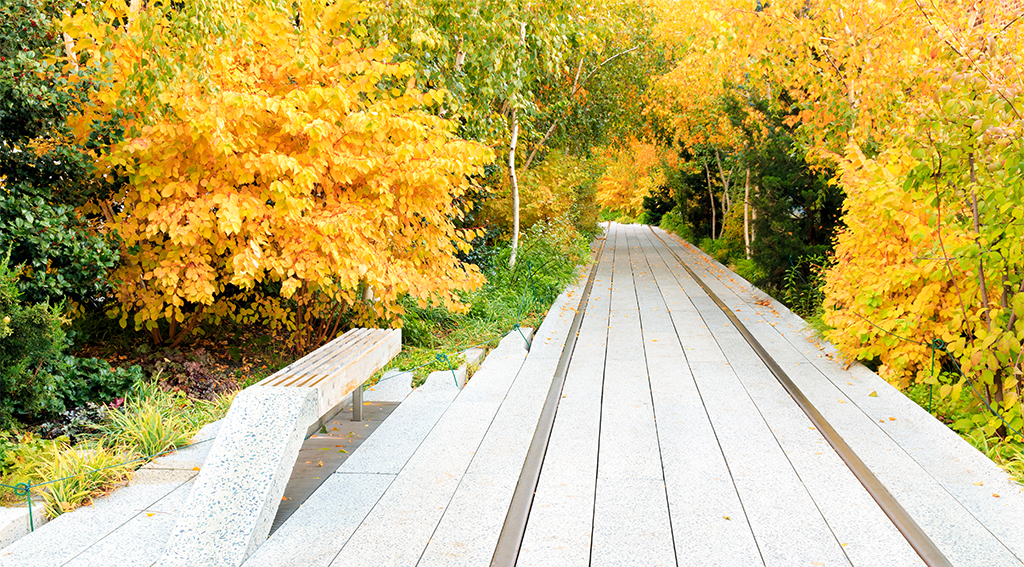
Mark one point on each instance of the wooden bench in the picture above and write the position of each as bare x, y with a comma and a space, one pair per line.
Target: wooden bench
337, 368
235, 496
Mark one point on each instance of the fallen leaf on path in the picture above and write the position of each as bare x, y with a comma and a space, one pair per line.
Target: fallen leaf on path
873, 394
979, 483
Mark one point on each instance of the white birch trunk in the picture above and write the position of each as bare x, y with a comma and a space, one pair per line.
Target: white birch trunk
746, 216
515, 187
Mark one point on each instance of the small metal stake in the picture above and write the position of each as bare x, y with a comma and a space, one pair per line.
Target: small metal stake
357, 403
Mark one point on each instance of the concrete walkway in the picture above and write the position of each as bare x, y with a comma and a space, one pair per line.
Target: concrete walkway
673, 444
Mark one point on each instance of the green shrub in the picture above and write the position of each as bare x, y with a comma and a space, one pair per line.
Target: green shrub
674, 222
750, 270
803, 283
93, 380
657, 204
721, 249
30, 339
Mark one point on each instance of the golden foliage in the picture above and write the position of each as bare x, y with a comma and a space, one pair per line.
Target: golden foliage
296, 159
631, 174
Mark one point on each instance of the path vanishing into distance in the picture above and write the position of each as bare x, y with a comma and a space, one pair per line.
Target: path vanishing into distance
666, 438
666, 413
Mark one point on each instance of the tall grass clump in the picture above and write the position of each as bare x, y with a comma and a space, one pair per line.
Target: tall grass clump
150, 422
153, 421
73, 474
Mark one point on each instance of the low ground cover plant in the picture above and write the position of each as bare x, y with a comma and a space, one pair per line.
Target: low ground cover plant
68, 471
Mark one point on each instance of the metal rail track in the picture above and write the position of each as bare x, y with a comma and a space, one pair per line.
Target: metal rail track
506, 551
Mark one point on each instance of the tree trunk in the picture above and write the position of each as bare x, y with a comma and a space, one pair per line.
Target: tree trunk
725, 183
515, 187
746, 216
753, 220
707, 172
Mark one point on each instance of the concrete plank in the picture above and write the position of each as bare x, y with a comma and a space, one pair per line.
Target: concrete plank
778, 506
139, 541
399, 527
941, 481
70, 534
630, 480
316, 532
638, 532
560, 524
497, 464
708, 520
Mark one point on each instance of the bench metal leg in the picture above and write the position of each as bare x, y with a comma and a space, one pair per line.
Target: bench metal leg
357, 403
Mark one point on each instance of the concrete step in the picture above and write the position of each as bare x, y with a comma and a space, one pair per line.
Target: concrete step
427, 418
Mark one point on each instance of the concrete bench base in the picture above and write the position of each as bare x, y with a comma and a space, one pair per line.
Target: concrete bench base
236, 495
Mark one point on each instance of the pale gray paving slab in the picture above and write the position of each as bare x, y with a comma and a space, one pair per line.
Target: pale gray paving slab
967, 474
400, 525
953, 528
561, 516
322, 525
631, 505
140, 540
467, 534
393, 386
395, 440
628, 438
956, 525
15, 522
498, 462
866, 534
635, 534
778, 505
709, 524
68, 535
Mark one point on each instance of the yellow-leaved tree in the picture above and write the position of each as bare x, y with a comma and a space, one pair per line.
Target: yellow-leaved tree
632, 173
920, 108
283, 173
